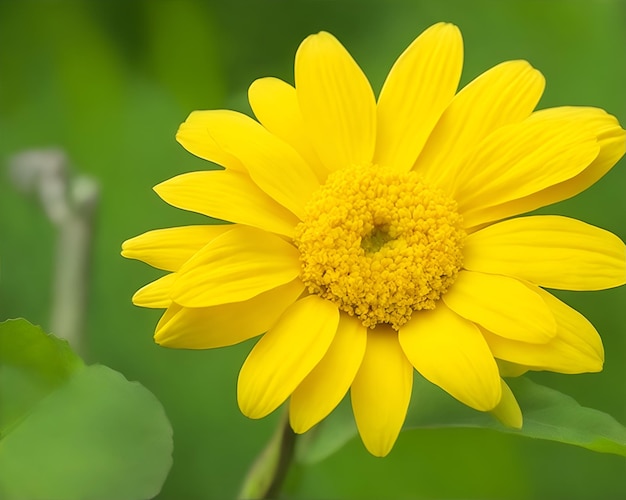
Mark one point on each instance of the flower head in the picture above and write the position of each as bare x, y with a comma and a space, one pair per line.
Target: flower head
368, 238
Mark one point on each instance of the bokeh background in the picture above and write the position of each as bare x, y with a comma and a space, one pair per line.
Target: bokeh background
109, 82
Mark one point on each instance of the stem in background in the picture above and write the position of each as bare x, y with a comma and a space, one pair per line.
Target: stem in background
69, 202
266, 475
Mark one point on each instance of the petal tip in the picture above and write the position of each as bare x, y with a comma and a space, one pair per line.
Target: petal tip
249, 406
517, 423
128, 246
160, 340
508, 412
135, 298
451, 27
380, 448
596, 365
299, 424
444, 29
487, 400
160, 188
317, 38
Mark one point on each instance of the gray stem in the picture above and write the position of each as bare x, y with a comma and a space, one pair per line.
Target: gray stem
69, 202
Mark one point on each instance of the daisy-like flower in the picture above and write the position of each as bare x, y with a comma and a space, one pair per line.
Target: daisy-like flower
371, 237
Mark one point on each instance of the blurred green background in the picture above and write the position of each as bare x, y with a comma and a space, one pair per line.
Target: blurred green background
110, 81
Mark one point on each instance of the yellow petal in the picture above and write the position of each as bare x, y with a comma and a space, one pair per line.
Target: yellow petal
227, 195
576, 348
521, 159
503, 305
503, 95
170, 248
336, 101
611, 140
420, 85
196, 138
550, 251
381, 391
450, 352
322, 390
508, 411
275, 104
285, 355
227, 324
156, 294
234, 267
272, 164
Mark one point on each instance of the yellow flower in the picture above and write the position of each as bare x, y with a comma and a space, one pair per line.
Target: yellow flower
372, 237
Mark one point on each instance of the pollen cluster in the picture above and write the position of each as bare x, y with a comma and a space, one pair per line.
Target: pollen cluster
380, 244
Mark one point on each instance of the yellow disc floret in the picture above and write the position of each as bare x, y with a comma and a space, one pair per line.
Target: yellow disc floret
380, 244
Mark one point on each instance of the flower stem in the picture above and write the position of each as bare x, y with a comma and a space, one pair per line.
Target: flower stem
69, 201
266, 475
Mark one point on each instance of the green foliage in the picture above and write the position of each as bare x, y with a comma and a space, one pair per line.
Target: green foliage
81, 432
548, 414
33, 364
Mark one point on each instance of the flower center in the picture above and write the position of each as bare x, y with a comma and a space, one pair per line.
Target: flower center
380, 244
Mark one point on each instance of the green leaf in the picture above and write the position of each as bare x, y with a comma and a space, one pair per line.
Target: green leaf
32, 364
90, 434
548, 414
25, 345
